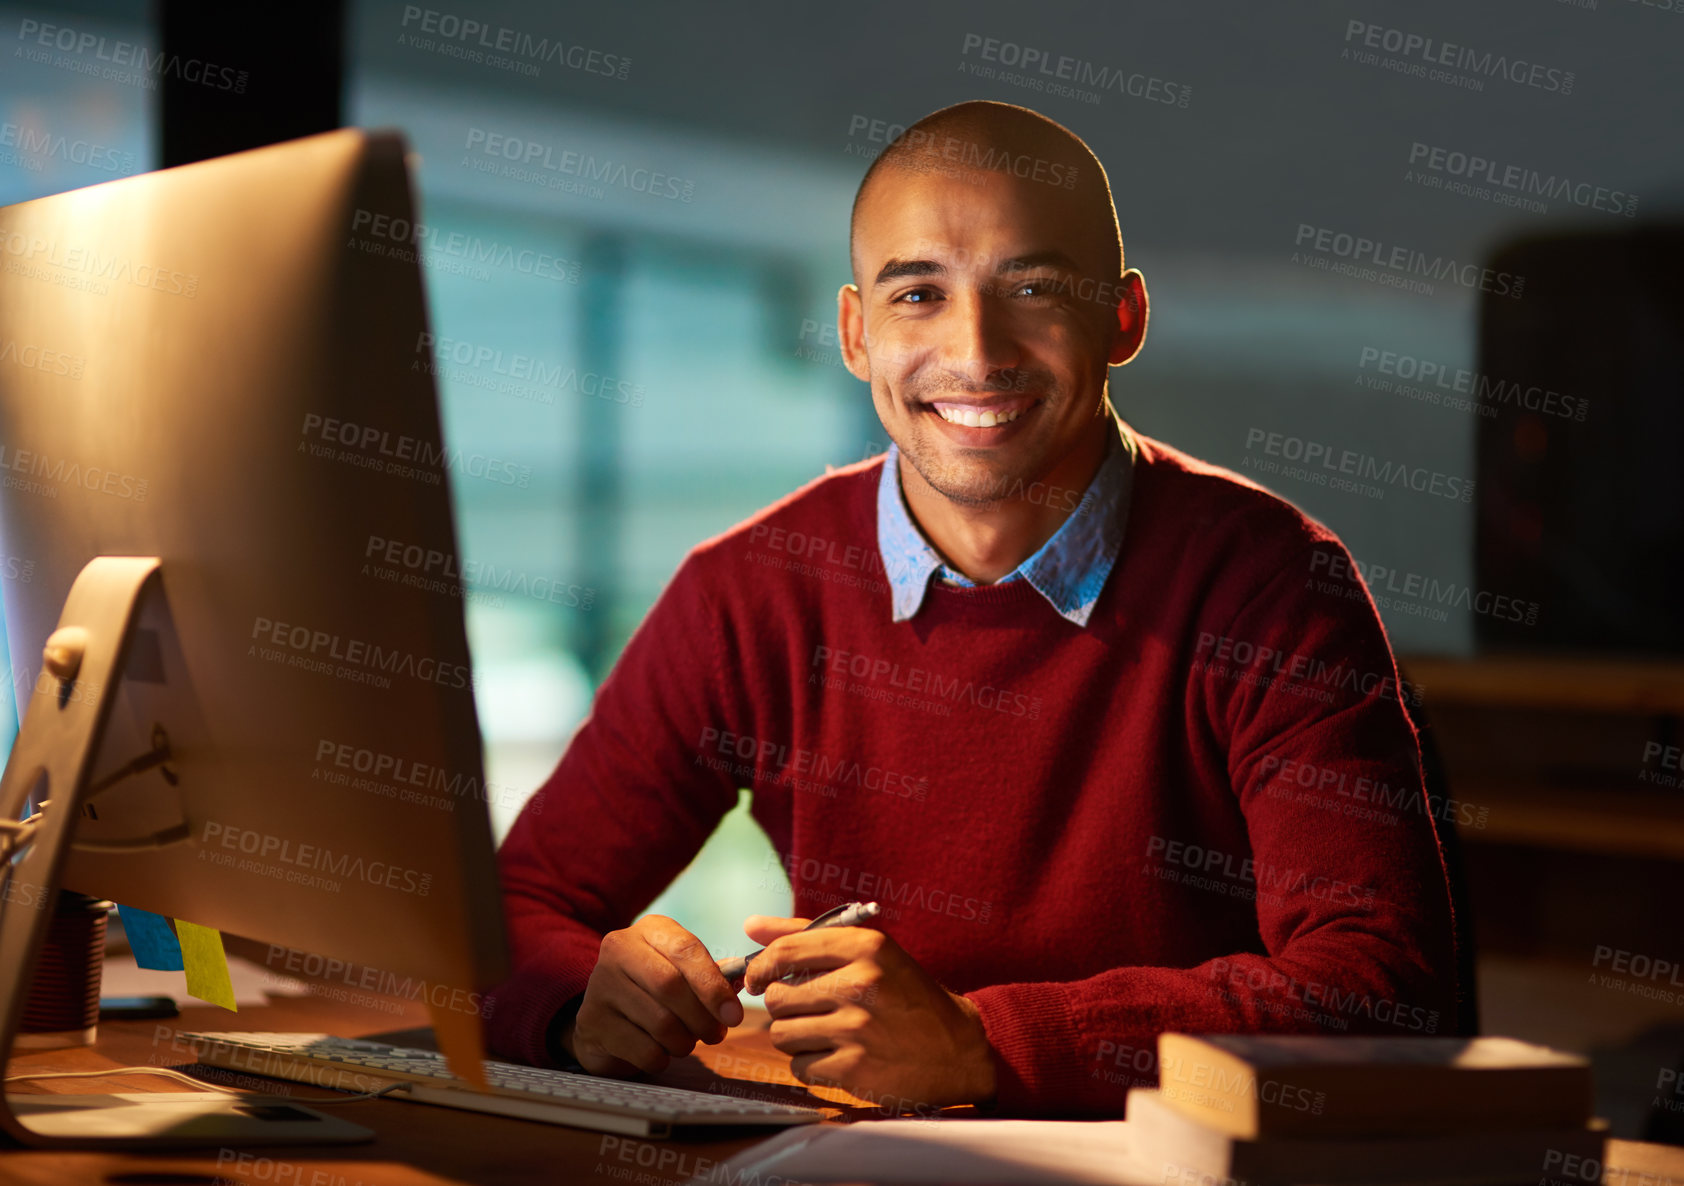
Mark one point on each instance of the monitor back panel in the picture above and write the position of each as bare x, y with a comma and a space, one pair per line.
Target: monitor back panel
216, 365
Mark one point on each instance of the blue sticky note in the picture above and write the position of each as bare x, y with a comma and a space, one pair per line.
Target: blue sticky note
154, 943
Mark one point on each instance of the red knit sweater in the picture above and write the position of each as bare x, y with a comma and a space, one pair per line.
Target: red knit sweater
1201, 812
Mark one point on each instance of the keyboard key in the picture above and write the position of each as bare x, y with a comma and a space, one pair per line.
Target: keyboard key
304, 1056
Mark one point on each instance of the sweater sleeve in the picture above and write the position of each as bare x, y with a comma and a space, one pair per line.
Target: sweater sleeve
1352, 904
629, 805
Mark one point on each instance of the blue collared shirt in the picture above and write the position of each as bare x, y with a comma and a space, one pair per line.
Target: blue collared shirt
1069, 570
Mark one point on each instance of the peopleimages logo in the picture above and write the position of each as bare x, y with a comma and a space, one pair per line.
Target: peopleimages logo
130, 62
842, 664
1669, 762
371, 447
1524, 183
1411, 48
261, 846
1406, 261
374, 980
1262, 880
1639, 966
405, 241
1322, 786
320, 650
1326, 465
1487, 392
35, 358
439, 572
527, 377
466, 38
37, 144
405, 779
1257, 978
1264, 665
812, 769
1046, 70
65, 473
534, 159
1382, 579
963, 154
813, 877
33, 255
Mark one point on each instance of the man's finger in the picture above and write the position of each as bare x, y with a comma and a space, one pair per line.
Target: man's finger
704, 983
802, 998
803, 1035
621, 1039
823, 1068
666, 1026
810, 951
763, 928
655, 995
598, 1061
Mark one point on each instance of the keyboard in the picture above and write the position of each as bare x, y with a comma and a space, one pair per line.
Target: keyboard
530, 1093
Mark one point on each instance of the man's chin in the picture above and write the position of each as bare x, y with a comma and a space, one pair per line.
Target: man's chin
970, 484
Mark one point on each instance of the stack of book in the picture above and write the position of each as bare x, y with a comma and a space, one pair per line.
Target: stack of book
1268, 1109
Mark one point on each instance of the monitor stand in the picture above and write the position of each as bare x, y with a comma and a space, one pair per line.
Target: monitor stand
49, 768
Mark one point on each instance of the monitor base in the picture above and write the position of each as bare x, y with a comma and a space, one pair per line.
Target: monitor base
49, 770
181, 1120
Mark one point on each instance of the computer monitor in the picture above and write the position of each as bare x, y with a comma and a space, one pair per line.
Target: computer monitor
214, 366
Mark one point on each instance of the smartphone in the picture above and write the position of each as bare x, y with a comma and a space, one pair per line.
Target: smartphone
136, 1008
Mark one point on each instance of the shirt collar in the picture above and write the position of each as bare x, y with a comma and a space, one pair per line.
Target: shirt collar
1069, 570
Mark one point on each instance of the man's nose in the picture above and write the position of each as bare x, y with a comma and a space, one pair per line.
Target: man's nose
980, 345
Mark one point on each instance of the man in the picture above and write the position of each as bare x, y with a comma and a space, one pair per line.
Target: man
1085, 714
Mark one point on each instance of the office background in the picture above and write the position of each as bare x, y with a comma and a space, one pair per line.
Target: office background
648, 324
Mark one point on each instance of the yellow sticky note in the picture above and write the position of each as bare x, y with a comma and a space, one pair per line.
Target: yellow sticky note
206, 964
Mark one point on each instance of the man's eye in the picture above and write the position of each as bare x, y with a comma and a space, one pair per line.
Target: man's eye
917, 296
1045, 286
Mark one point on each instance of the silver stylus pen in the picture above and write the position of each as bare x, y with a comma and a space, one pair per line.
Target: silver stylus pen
850, 914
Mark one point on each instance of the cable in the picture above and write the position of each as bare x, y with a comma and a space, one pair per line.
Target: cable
15, 838
188, 1079
156, 756
165, 1071
16, 835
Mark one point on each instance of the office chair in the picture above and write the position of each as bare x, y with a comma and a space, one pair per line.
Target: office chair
1437, 786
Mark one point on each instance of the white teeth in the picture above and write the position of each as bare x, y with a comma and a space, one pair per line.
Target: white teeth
970, 418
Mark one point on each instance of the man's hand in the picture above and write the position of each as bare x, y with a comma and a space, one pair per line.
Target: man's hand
860, 1013
654, 993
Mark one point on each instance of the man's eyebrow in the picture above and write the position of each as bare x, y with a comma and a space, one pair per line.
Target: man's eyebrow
896, 268
1024, 261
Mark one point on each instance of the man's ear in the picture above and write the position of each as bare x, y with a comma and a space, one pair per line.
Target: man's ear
1131, 318
850, 332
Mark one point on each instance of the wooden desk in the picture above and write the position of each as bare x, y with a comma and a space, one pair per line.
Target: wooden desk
419, 1145
1575, 683
1533, 804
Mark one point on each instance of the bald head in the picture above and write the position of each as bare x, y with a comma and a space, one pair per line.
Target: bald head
982, 137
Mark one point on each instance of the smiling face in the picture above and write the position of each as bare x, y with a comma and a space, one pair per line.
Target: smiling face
985, 318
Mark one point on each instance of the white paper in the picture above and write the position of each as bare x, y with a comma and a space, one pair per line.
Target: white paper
984, 1152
